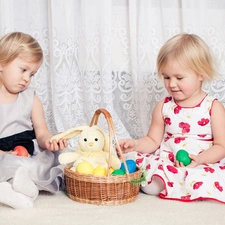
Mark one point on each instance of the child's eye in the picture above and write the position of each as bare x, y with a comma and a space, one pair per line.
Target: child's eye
31, 75
179, 78
23, 70
166, 78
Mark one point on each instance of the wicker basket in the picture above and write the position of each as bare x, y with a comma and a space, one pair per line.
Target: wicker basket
103, 190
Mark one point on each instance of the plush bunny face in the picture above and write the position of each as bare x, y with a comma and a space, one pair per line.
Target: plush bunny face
91, 139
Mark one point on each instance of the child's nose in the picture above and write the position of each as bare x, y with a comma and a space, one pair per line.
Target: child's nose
26, 77
172, 83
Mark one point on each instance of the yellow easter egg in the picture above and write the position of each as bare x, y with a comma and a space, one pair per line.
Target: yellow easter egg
99, 171
85, 168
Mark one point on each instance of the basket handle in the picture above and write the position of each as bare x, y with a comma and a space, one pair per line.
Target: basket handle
112, 131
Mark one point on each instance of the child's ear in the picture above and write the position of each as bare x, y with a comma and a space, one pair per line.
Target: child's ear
201, 78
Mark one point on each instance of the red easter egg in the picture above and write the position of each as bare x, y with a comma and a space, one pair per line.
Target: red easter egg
21, 151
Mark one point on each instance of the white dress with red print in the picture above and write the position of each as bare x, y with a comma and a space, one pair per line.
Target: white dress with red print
186, 128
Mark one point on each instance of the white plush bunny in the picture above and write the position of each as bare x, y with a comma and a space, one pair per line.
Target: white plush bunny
93, 147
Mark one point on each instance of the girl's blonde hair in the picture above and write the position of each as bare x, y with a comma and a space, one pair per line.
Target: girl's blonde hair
189, 50
18, 44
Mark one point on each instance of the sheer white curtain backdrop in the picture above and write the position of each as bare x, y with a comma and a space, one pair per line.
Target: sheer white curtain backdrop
102, 54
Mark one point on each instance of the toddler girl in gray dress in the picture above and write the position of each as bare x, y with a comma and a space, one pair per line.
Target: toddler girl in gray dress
22, 123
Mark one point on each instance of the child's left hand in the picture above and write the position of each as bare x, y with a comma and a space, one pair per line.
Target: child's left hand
56, 146
194, 162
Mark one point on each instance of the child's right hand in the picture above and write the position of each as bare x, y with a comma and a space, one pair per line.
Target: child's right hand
56, 146
127, 145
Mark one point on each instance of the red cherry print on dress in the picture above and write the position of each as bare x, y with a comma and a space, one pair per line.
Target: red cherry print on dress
167, 99
202, 135
209, 169
170, 184
167, 121
177, 140
169, 135
166, 139
197, 185
172, 169
217, 185
188, 197
222, 167
171, 157
203, 122
148, 167
139, 161
177, 109
185, 127
160, 167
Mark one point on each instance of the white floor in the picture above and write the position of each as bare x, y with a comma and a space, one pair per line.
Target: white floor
58, 209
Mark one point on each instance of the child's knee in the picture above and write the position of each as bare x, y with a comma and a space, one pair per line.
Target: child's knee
155, 187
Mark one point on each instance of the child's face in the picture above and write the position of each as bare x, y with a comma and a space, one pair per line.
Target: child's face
181, 82
16, 75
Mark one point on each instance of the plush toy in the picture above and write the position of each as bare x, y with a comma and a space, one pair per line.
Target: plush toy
93, 147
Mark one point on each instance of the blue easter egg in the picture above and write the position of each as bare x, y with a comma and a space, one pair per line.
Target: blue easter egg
131, 165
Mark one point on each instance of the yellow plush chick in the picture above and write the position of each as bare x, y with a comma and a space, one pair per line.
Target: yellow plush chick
85, 168
99, 171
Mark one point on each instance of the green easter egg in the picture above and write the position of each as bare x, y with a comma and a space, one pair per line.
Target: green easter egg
118, 173
182, 156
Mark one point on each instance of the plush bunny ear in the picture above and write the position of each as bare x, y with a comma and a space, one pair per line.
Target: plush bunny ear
106, 137
68, 134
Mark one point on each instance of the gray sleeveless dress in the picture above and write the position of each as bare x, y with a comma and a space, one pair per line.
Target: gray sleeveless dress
43, 164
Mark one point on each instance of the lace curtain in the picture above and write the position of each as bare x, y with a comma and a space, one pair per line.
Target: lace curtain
102, 54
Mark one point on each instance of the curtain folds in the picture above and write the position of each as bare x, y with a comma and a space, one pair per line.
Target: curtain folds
102, 54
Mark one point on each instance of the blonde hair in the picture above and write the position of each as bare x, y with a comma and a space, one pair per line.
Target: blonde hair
189, 50
18, 44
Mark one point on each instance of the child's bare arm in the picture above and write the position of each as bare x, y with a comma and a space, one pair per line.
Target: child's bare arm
151, 142
42, 132
217, 151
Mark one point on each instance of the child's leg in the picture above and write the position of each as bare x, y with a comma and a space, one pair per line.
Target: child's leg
12, 198
155, 187
23, 184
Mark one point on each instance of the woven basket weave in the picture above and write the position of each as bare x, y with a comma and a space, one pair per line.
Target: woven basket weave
103, 190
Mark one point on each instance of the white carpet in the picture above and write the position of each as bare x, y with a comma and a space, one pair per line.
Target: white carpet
59, 209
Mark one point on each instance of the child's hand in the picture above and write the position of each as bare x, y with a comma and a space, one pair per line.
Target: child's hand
11, 152
194, 161
127, 145
54, 146
178, 164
